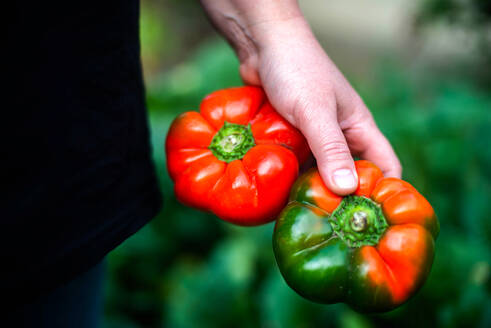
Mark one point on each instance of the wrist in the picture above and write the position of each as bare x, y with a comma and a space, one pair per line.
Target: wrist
252, 25
257, 44
269, 34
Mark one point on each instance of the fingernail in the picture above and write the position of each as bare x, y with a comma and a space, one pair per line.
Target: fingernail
344, 178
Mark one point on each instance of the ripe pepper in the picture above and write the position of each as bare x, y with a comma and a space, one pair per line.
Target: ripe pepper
372, 249
237, 157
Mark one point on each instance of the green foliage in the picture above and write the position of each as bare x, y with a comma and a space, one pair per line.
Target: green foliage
469, 12
188, 269
471, 18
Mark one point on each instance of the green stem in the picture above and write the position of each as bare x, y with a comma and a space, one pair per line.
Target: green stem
358, 221
232, 142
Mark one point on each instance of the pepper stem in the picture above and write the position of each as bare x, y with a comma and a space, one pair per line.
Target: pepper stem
358, 221
232, 142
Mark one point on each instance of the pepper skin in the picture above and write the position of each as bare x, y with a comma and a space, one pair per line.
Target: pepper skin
237, 157
372, 250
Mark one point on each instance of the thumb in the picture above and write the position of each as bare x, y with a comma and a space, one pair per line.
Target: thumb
328, 144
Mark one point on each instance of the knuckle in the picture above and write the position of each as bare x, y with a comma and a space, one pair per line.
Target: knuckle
303, 118
302, 111
306, 109
335, 151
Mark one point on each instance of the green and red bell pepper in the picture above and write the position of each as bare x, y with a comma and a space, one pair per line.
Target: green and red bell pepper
372, 249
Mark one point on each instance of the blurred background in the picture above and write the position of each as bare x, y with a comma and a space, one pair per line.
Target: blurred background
422, 67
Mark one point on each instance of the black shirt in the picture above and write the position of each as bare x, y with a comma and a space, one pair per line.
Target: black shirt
76, 170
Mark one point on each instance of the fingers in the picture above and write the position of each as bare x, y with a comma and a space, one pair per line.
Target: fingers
362, 134
377, 149
366, 141
330, 149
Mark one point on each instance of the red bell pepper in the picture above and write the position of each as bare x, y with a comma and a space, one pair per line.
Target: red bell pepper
237, 157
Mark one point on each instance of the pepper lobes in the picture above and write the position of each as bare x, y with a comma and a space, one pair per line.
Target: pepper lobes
237, 157
372, 250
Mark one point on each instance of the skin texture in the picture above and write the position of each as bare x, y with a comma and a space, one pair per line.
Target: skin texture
248, 191
317, 262
278, 51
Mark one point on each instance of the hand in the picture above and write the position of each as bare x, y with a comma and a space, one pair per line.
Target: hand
278, 51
